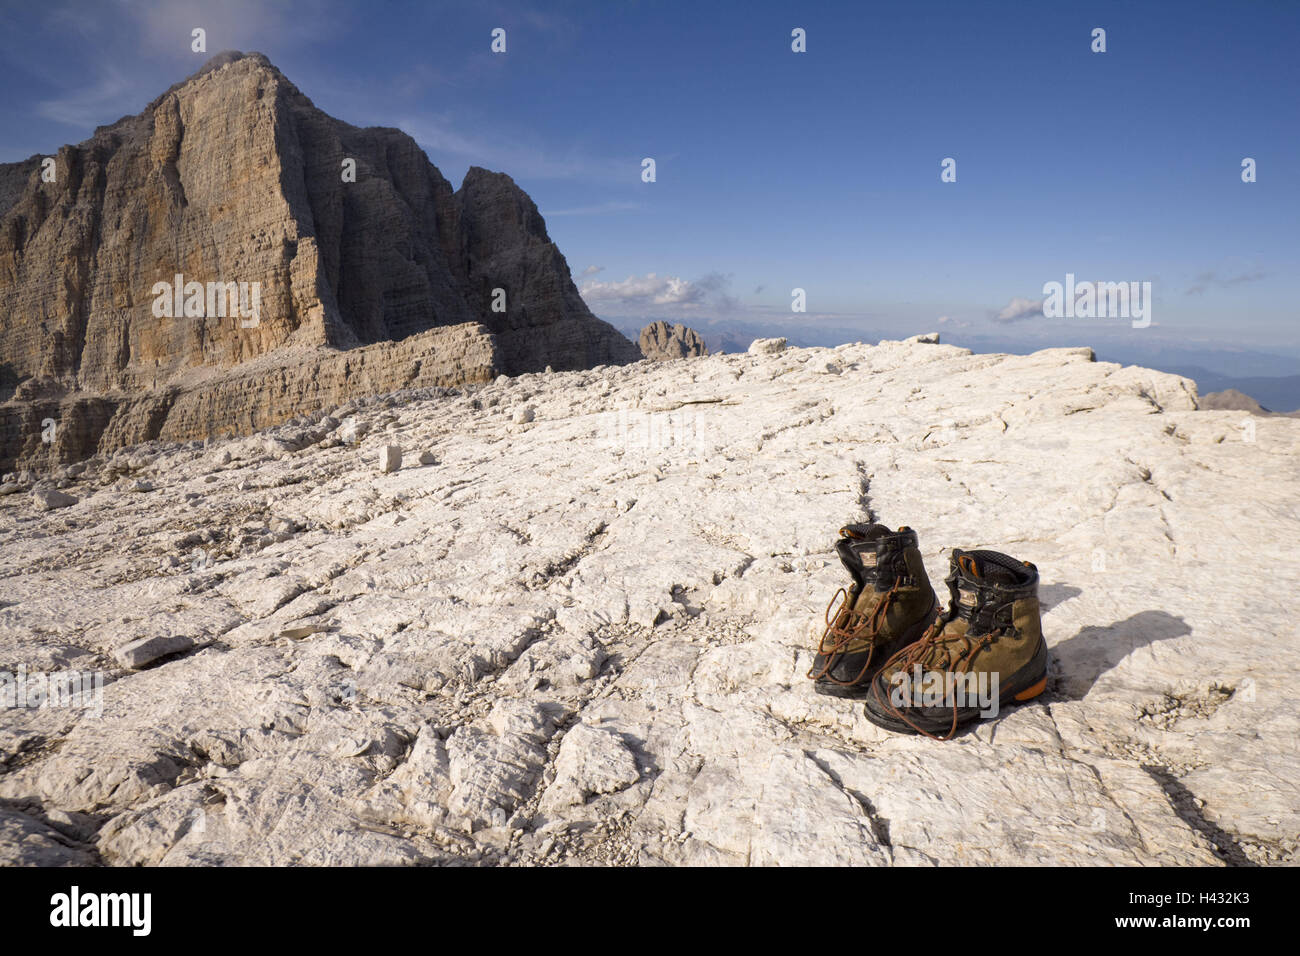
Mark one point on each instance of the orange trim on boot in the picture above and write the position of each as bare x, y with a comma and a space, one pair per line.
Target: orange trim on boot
1029, 693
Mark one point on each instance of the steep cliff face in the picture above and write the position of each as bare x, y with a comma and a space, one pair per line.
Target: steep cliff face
233, 176
505, 246
191, 186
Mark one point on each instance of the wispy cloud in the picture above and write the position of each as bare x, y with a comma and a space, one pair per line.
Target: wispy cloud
444, 138
1207, 279
156, 36
599, 209
102, 101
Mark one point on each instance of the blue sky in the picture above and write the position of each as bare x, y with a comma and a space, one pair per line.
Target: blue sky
778, 170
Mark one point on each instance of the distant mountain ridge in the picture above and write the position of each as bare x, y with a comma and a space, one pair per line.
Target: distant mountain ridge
1279, 394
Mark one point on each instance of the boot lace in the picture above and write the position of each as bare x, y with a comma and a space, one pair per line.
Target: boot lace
923, 652
846, 626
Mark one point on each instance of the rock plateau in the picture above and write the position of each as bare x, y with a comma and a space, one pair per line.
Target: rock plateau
581, 634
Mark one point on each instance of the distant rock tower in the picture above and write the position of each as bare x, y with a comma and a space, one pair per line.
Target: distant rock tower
660, 341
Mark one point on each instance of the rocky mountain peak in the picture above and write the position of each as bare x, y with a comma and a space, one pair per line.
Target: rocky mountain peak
114, 276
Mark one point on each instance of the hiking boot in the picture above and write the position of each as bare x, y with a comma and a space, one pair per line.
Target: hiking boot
888, 606
985, 651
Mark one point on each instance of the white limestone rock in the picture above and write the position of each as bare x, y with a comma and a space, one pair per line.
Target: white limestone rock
28, 841
592, 761
48, 499
352, 430
586, 641
146, 650
766, 346
390, 458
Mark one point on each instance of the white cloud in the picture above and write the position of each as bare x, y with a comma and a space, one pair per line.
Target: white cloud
592, 270
1019, 308
230, 25
130, 45
652, 289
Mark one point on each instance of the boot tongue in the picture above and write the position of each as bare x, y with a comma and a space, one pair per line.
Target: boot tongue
969, 576
857, 551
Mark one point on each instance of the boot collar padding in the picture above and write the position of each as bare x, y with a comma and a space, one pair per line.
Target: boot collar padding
984, 586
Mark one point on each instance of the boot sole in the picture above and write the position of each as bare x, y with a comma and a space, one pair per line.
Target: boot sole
1024, 685
862, 688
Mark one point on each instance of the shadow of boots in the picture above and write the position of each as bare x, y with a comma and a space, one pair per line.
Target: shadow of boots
1050, 595
1078, 661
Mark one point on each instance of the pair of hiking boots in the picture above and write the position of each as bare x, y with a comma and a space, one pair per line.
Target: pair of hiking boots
919, 670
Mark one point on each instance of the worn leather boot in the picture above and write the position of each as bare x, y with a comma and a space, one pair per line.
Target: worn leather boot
887, 606
985, 652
